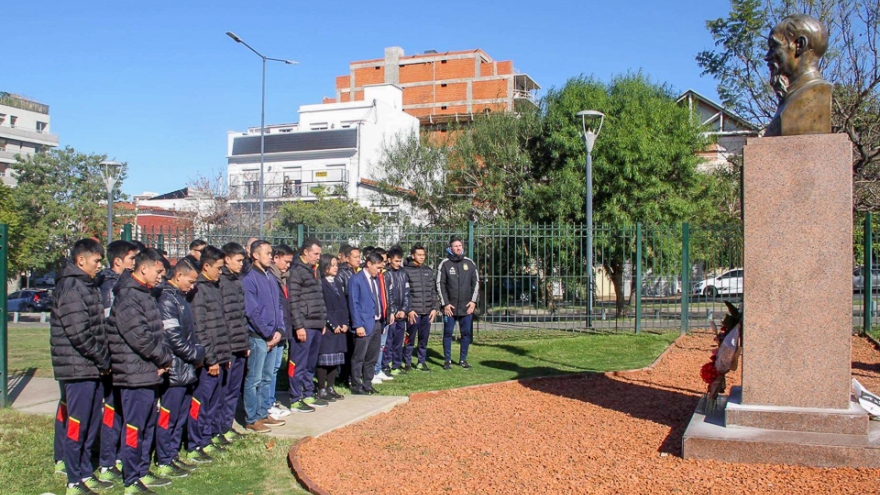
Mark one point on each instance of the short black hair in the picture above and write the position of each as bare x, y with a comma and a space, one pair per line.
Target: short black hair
367, 251
140, 246
395, 252
184, 265
345, 249
325, 263
455, 238
416, 247
231, 249
197, 243
85, 247
381, 251
119, 249
308, 243
282, 250
210, 255
257, 245
374, 258
146, 256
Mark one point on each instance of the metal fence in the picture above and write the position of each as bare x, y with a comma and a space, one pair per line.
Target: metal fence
533, 278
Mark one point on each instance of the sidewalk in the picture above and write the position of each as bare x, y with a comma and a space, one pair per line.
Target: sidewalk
40, 396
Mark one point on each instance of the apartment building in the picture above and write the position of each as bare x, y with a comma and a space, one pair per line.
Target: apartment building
334, 146
441, 87
24, 129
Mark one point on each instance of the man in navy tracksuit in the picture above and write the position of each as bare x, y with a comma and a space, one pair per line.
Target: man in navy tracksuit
80, 358
309, 318
140, 357
176, 393
459, 289
120, 257
423, 305
203, 425
232, 295
399, 303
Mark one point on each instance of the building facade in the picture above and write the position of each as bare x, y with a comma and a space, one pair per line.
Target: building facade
24, 130
727, 130
333, 150
441, 87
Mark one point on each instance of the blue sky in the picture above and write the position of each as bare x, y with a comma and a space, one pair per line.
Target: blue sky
158, 84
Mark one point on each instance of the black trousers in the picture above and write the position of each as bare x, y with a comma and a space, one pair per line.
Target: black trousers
364, 358
83, 421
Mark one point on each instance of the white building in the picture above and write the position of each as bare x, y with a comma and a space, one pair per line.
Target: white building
24, 129
727, 130
335, 146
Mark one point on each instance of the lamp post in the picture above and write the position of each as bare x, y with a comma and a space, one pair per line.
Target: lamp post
110, 174
262, 113
589, 118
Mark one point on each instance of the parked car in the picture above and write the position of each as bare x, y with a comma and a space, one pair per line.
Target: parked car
45, 280
729, 282
29, 301
520, 289
859, 279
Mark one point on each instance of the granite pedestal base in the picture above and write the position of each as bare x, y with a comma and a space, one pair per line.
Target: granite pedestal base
712, 436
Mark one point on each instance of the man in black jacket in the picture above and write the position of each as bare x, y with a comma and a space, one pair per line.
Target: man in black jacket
399, 302
180, 336
459, 287
207, 303
80, 357
232, 295
196, 249
140, 357
423, 305
309, 317
120, 257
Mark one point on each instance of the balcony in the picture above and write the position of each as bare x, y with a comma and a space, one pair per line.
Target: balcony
28, 135
14, 101
249, 191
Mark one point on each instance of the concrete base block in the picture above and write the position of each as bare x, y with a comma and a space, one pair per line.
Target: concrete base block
852, 421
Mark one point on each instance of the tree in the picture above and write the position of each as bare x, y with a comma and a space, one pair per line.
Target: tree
61, 198
852, 63
644, 163
478, 173
327, 212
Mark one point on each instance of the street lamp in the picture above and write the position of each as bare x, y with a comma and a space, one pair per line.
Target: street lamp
589, 118
262, 113
110, 173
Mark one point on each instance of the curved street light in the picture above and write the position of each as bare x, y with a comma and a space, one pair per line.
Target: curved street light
262, 113
589, 118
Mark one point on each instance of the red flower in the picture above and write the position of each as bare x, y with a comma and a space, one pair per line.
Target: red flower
708, 372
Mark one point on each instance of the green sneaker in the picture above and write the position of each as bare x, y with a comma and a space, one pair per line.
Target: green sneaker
96, 484
109, 474
398, 371
199, 456
186, 466
138, 488
221, 440
151, 480
212, 450
171, 471
78, 489
301, 407
119, 465
315, 401
60, 468
233, 435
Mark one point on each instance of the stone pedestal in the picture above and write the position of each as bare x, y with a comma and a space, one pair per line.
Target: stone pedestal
798, 314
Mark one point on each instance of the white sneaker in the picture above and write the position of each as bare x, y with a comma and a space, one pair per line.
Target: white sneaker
382, 376
376, 381
277, 412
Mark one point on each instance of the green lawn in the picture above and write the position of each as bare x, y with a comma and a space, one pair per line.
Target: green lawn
29, 349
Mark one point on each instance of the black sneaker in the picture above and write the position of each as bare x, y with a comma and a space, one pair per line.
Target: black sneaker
372, 391
183, 465
424, 367
138, 487
447, 365
360, 391
465, 365
324, 395
79, 489
407, 368
301, 407
315, 401
333, 393
151, 480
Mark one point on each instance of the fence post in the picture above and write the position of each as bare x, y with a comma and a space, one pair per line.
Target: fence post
4, 341
160, 242
300, 236
685, 275
126, 232
470, 240
638, 278
867, 275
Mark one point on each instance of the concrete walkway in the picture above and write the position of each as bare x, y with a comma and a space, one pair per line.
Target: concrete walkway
40, 396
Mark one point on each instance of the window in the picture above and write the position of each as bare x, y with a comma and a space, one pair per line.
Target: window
251, 188
443, 107
443, 61
12, 120
41, 127
443, 85
2, 118
318, 126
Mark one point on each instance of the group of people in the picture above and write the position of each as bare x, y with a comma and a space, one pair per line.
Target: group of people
153, 358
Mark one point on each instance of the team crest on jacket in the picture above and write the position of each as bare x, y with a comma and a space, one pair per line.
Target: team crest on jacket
465, 267
452, 270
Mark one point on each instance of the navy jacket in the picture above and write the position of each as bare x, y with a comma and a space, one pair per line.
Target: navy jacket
361, 302
337, 315
207, 306
180, 335
397, 285
262, 303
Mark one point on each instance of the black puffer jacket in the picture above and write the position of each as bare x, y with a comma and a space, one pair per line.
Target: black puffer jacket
180, 335
107, 280
422, 287
344, 275
397, 285
457, 282
78, 339
307, 308
233, 308
207, 305
137, 346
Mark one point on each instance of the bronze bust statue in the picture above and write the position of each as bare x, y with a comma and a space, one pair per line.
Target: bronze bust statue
794, 48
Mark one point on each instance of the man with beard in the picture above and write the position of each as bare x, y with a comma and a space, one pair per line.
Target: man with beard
794, 48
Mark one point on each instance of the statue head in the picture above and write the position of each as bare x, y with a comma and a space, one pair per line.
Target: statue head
794, 48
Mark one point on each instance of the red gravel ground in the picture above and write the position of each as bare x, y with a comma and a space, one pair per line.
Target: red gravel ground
586, 434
